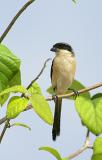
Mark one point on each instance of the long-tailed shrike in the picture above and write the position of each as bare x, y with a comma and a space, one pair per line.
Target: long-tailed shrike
62, 75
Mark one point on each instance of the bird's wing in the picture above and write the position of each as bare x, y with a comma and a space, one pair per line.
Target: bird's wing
53, 77
51, 70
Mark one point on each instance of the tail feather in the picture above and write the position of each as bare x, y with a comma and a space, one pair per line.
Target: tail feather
57, 117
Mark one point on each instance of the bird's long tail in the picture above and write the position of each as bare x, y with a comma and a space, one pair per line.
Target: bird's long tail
57, 117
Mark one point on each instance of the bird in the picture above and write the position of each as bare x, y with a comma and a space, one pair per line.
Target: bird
62, 75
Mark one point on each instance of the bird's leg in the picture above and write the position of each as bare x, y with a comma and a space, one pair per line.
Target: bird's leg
55, 98
76, 93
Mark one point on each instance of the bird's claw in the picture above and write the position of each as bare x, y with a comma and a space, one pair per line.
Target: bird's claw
76, 93
55, 97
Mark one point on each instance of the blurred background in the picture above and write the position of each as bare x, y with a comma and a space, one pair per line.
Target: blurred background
39, 27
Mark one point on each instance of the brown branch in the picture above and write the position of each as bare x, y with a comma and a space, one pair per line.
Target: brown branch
70, 94
37, 77
4, 130
14, 19
82, 149
3, 120
62, 96
80, 91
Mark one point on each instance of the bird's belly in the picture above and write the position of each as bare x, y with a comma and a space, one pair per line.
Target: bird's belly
65, 77
63, 83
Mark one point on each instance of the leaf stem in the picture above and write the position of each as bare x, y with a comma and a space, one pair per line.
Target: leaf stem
83, 148
37, 77
14, 20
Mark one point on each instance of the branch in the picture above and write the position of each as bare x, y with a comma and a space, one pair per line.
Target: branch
80, 91
37, 77
14, 19
3, 120
83, 148
61, 96
71, 94
4, 130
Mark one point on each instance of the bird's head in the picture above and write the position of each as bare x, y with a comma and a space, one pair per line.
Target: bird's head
62, 47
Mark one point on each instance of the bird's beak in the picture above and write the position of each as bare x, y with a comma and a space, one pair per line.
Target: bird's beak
53, 49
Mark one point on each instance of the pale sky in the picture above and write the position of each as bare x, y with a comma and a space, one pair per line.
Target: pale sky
40, 26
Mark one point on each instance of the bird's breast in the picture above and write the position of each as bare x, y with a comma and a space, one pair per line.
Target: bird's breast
63, 72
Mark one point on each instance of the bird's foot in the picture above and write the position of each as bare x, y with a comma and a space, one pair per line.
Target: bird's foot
76, 93
55, 98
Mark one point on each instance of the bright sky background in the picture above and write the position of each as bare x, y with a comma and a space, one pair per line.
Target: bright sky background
40, 26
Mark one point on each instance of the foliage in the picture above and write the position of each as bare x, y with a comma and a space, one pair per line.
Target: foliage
74, 1
14, 89
21, 125
97, 149
15, 106
9, 71
53, 151
39, 104
41, 107
90, 112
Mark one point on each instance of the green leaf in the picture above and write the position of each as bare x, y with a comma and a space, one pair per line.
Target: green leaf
51, 91
9, 70
98, 95
35, 89
3, 99
65, 158
9, 66
53, 151
14, 89
41, 107
16, 80
21, 124
15, 106
76, 85
90, 112
97, 149
74, 1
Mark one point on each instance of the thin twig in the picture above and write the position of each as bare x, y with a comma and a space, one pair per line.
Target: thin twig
87, 134
37, 77
4, 130
83, 148
3, 120
75, 154
14, 19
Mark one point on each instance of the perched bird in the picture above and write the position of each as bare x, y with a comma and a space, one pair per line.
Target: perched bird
62, 75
